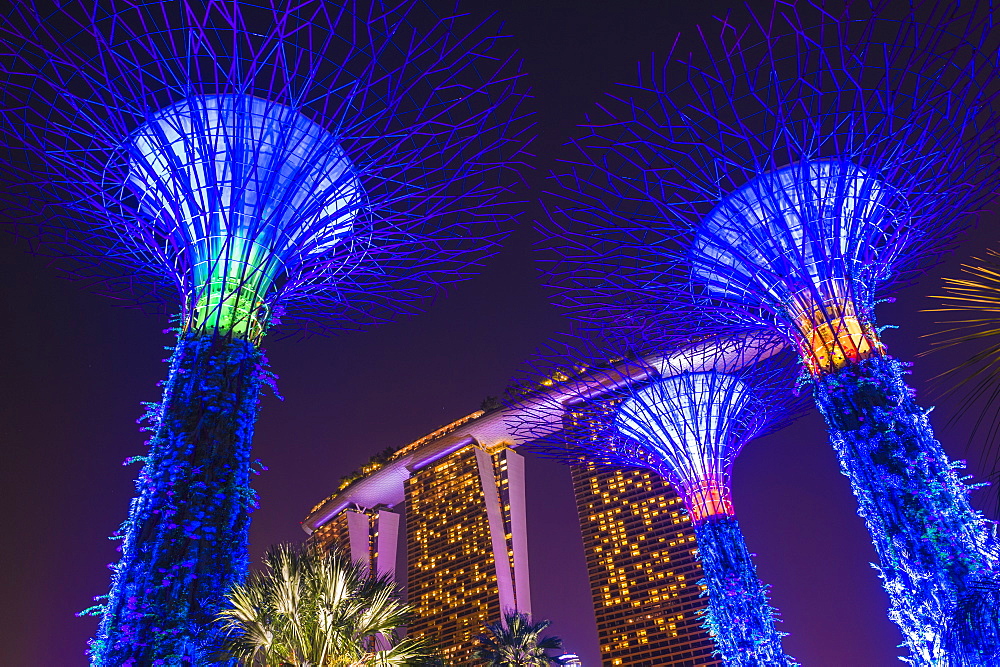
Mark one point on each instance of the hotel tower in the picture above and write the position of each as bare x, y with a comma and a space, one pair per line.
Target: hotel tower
460, 491
644, 573
460, 494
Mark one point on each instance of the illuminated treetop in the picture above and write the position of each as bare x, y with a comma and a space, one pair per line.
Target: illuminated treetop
788, 166
335, 160
685, 414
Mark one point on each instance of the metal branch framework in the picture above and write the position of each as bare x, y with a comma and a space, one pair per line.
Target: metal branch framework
685, 415
307, 153
246, 164
776, 178
832, 106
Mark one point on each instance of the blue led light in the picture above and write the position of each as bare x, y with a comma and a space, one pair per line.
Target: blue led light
185, 541
776, 237
938, 556
246, 189
739, 615
694, 424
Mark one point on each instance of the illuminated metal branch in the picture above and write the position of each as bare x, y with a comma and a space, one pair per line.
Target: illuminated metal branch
246, 164
348, 132
803, 240
684, 415
244, 189
775, 178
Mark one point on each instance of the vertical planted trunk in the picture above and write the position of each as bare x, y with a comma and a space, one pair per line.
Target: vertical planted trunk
739, 616
185, 541
937, 555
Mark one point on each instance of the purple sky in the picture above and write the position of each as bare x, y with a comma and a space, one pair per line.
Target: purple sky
76, 367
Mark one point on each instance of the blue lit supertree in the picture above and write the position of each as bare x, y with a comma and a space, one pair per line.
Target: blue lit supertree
249, 162
776, 177
685, 415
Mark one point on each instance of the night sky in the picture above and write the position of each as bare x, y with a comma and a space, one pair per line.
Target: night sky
76, 366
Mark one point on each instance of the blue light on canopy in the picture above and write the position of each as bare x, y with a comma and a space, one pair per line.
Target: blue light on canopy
246, 188
694, 425
807, 241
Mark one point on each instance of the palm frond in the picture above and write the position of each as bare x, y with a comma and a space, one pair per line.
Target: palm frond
515, 640
973, 300
310, 608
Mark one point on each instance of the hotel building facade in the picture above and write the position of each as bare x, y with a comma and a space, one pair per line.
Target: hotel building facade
460, 494
644, 572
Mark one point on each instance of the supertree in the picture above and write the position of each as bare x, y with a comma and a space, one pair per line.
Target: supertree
684, 415
248, 162
774, 178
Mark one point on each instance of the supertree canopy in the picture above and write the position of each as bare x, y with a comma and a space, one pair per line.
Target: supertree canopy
759, 242
685, 415
775, 178
246, 164
244, 187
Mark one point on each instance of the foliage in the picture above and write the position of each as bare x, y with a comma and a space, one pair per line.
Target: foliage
184, 543
433, 659
374, 463
739, 615
938, 557
515, 640
311, 608
490, 403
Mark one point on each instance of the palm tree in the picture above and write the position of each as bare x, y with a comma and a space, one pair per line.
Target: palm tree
515, 641
311, 608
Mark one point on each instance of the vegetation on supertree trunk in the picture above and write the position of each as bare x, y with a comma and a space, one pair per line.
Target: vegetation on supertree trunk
939, 558
184, 542
739, 615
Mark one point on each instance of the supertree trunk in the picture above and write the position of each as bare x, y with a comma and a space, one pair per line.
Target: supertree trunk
739, 615
185, 541
937, 555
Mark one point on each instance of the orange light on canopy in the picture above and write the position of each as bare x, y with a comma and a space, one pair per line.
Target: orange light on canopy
832, 334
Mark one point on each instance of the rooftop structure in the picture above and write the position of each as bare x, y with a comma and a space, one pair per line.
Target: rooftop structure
460, 490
